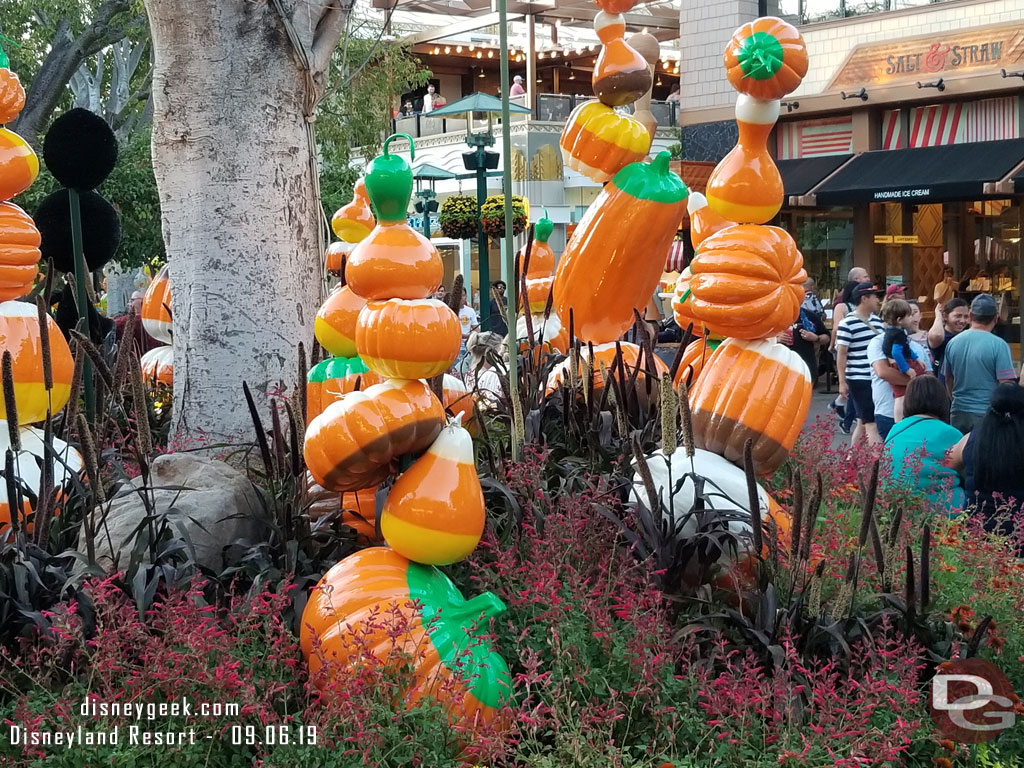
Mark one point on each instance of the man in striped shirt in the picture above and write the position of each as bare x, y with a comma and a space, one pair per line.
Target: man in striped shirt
854, 333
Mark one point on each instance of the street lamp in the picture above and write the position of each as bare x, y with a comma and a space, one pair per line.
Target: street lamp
427, 202
480, 160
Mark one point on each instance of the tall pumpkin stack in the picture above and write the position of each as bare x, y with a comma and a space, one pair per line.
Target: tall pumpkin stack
612, 263
41, 388
158, 363
746, 280
538, 269
434, 512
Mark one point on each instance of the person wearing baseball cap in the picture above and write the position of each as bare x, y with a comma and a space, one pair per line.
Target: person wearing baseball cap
855, 332
896, 291
975, 363
517, 88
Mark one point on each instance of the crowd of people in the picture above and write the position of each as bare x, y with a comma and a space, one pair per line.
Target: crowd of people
946, 404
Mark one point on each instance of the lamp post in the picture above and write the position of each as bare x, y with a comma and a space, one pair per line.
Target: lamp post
481, 160
427, 198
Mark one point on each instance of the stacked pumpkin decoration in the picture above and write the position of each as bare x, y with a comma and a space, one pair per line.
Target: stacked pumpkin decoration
538, 268
37, 394
158, 363
434, 513
597, 141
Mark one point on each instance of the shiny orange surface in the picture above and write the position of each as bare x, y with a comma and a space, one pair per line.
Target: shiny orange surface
794, 59
155, 316
19, 334
746, 185
542, 261
695, 356
320, 394
335, 323
19, 165
12, 96
408, 339
395, 261
19, 252
158, 366
333, 257
354, 221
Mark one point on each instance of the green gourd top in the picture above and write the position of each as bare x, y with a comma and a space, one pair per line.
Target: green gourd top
653, 181
543, 228
336, 368
449, 619
389, 182
761, 56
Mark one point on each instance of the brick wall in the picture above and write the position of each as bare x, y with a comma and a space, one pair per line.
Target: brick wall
706, 29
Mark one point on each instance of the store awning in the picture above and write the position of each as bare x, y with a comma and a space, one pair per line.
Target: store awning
1018, 183
801, 176
930, 174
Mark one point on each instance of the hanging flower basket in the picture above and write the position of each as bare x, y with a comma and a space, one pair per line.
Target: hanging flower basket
493, 215
458, 217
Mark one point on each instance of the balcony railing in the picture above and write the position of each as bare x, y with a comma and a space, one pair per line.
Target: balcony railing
551, 107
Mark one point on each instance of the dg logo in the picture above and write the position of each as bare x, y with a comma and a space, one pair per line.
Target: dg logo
972, 701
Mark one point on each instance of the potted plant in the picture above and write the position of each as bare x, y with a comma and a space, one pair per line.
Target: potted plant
493, 215
458, 217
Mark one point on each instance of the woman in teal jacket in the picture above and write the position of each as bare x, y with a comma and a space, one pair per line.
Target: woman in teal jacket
919, 445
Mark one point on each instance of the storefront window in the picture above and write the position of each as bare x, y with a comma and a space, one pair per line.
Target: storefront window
993, 259
825, 238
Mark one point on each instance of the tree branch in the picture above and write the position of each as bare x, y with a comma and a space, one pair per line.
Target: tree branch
328, 31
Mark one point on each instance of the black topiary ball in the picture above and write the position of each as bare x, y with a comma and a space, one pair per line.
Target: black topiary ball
80, 149
101, 230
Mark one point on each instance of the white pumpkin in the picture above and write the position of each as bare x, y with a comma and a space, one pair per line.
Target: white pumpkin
29, 465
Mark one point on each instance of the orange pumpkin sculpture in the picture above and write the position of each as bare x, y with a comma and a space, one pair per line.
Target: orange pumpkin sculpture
542, 258
158, 366
759, 390
346, 616
598, 142
335, 322
546, 333
19, 251
435, 511
330, 380
12, 94
459, 401
64, 459
537, 291
748, 282
408, 339
355, 442
334, 257
156, 307
394, 261
20, 335
746, 185
766, 58
604, 358
19, 165
354, 221
615, 258
621, 74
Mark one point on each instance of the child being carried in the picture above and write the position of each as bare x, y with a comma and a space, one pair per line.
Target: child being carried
896, 314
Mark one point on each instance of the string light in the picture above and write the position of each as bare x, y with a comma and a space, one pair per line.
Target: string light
472, 47
490, 54
479, 54
458, 49
436, 51
447, 49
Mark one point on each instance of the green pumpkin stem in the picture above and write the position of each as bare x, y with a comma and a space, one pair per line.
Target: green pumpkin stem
486, 603
407, 137
761, 56
543, 229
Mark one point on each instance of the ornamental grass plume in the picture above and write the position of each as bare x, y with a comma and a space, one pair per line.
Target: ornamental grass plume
669, 414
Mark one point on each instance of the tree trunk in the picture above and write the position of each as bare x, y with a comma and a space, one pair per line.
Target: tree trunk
240, 217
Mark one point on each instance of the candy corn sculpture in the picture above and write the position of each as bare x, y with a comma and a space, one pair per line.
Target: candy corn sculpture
158, 364
41, 388
537, 269
434, 512
746, 280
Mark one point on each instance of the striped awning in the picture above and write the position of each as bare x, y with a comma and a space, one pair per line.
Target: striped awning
676, 261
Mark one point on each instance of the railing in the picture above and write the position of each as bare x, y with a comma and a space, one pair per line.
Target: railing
810, 11
551, 107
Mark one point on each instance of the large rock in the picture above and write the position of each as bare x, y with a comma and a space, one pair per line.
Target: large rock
213, 502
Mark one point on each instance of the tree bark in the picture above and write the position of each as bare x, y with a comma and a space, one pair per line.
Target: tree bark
237, 182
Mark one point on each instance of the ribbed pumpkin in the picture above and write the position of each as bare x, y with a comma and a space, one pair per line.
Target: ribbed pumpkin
394, 260
746, 185
542, 258
604, 354
766, 58
156, 304
158, 366
408, 339
547, 333
621, 74
692, 362
435, 511
29, 466
682, 303
615, 6
19, 252
12, 94
459, 401
354, 221
334, 255
751, 389
335, 323
355, 442
704, 222
748, 282
347, 613
19, 333
615, 258
19, 165
598, 142
537, 291
329, 380
356, 509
